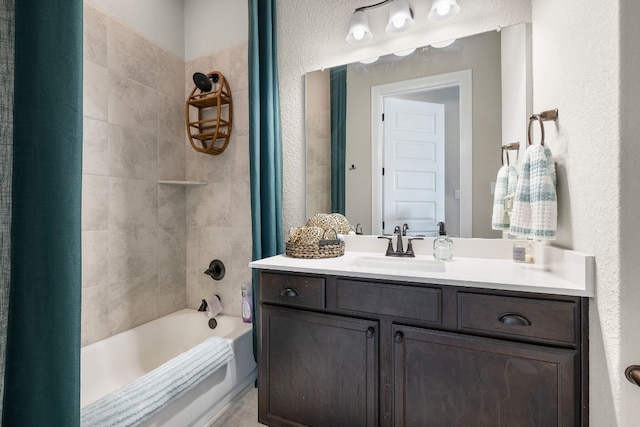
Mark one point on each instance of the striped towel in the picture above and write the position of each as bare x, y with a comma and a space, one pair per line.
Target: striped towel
506, 183
146, 396
535, 208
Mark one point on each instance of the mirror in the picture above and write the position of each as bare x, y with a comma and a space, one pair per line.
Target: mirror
482, 83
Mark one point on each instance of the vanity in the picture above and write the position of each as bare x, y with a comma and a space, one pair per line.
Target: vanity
364, 340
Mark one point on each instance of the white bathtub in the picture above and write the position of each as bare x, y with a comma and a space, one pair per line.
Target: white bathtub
110, 364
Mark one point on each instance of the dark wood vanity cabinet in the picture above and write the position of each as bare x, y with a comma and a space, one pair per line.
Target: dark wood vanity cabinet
349, 352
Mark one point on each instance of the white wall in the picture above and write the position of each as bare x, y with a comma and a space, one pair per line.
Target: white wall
516, 79
188, 28
576, 69
161, 21
214, 25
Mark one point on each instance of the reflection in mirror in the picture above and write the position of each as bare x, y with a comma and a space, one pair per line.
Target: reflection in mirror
494, 112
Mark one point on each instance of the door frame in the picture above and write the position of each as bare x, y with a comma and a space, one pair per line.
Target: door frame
463, 80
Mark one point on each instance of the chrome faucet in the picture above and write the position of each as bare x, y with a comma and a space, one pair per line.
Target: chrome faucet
405, 227
399, 251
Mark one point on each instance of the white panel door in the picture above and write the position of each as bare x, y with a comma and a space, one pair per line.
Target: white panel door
413, 181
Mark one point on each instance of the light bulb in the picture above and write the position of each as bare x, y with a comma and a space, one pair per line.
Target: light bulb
398, 22
358, 34
443, 8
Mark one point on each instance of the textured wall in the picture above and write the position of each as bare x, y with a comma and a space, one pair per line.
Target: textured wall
576, 60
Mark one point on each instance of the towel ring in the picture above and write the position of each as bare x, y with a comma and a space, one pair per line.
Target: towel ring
506, 148
533, 118
542, 117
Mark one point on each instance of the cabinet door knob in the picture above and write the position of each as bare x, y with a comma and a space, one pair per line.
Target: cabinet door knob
633, 374
399, 336
370, 332
514, 319
289, 292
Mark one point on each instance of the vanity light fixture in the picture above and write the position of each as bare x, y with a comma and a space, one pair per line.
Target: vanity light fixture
441, 10
400, 19
359, 31
400, 16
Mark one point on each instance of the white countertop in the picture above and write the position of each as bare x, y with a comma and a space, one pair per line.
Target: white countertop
557, 271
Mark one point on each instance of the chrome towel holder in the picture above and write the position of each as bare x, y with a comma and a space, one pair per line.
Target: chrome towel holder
542, 117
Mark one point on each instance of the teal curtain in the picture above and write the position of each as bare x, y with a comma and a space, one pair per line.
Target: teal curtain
42, 372
6, 167
265, 151
338, 90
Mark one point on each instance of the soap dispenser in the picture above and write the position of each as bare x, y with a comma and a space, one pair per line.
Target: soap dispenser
442, 245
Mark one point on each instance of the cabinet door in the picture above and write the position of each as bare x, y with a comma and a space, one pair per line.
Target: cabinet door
317, 369
446, 379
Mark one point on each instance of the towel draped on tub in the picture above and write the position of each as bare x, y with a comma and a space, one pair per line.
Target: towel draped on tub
147, 395
535, 209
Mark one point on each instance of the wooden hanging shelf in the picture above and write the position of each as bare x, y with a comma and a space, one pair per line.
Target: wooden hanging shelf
209, 116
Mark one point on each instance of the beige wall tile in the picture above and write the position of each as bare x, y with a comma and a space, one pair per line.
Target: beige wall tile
95, 35
130, 55
171, 160
95, 91
172, 201
95, 260
133, 202
95, 202
95, 314
132, 104
132, 153
95, 147
133, 302
171, 75
132, 253
171, 118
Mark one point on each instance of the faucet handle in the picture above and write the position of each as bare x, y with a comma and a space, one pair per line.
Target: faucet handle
409, 251
389, 246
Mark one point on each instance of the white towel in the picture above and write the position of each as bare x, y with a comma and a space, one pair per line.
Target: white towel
149, 394
506, 183
213, 307
535, 209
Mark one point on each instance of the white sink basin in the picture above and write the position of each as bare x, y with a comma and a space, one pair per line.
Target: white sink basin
399, 264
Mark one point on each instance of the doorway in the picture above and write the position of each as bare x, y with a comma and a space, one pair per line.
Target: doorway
457, 180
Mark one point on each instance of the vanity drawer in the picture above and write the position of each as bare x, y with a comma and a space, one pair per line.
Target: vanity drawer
530, 319
404, 302
294, 290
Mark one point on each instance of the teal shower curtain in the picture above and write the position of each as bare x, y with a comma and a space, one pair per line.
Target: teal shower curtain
265, 152
42, 370
338, 95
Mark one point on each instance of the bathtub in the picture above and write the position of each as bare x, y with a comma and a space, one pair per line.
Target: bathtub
110, 364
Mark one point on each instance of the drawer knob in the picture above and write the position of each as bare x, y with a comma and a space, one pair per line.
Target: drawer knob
398, 337
289, 292
370, 332
514, 319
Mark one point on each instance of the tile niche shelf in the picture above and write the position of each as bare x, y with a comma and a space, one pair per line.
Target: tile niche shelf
169, 182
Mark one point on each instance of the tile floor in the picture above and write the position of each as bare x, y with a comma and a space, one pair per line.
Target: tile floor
243, 412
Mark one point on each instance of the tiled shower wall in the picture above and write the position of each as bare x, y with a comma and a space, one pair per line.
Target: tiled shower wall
219, 213
145, 244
